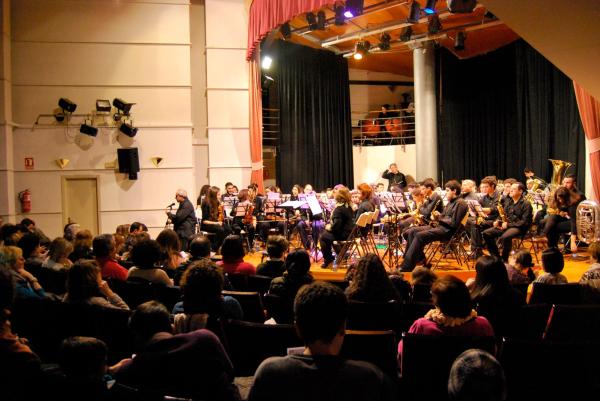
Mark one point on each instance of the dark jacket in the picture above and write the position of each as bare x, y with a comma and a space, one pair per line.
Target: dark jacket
492, 203
453, 214
184, 220
434, 202
342, 222
519, 214
394, 179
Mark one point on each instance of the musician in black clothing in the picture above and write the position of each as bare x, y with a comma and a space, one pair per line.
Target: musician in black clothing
447, 223
184, 220
394, 177
366, 204
489, 205
518, 214
342, 222
213, 218
433, 200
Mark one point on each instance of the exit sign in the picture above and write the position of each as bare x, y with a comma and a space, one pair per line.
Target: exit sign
29, 163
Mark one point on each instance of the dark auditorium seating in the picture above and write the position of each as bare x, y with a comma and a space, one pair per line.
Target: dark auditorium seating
522, 288
411, 312
564, 294
574, 322
530, 322
251, 305
248, 344
280, 309
136, 292
378, 347
247, 282
426, 362
54, 281
421, 293
373, 316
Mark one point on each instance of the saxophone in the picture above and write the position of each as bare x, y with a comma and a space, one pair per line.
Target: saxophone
501, 211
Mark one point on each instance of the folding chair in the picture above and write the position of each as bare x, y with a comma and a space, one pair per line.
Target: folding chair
453, 246
536, 243
354, 242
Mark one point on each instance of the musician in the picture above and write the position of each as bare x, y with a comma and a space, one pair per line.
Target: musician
184, 220
447, 223
308, 190
309, 224
296, 191
213, 218
380, 188
366, 203
489, 205
246, 221
418, 199
518, 214
394, 177
433, 200
339, 229
468, 190
230, 190
506, 191
533, 182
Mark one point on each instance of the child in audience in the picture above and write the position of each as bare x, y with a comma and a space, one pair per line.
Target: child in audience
521, 270
593, 272
277, 247
553, 263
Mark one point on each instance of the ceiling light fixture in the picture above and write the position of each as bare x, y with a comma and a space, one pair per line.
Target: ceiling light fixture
354, 8
415, 12
311, 19
461, 6
430, 7
285, 30
361, 49
384, 41
321, 20
338, 8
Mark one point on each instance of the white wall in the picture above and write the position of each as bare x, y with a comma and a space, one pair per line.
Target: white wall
371, 161
85, 50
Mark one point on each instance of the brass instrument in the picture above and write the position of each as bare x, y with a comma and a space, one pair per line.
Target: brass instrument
501, 212
588, 221
431, 216
559, 168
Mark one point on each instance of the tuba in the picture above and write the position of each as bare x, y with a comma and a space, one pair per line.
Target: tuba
559, 168
588, 221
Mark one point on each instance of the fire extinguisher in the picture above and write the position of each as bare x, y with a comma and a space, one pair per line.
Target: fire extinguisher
25, 198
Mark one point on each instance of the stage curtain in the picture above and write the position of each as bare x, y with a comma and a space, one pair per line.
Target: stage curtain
256, 121
504, 111
315, 129
589, 110
266, 15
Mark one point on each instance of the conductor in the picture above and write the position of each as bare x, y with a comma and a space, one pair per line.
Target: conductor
394, 177
184, 220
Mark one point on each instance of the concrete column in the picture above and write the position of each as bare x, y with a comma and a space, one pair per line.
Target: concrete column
425, 112
7, 192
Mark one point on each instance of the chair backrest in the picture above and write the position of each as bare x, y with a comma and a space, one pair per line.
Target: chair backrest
421, 293
54, 281
521, 287
278, 308
573, 322
373, 316
364, 219
564, 294
375, 216
259, 283
530, 322
251, 305
251, 343
378, 347
426, 362
133, 292
239, 281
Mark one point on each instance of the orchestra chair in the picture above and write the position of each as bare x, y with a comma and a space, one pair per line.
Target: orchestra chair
251, 303
536, 242
563, 294
573, 322
354, 242
453, 246
378, 347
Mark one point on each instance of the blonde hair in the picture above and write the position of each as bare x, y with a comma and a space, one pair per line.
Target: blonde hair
11, 254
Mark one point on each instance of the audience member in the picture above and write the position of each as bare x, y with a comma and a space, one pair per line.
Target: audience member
82, 246
297, 274
145, 256
476, 376
85, 286
553, 264
33, 252
191, 365
202, 286
136, 227
521, 270
233, 254
10, 234
277, 247
58, 255
200, 248
105, 253
422, 279
593, 272
319, 373
371, 283
33, 228
26, 285
169, 243
70, 231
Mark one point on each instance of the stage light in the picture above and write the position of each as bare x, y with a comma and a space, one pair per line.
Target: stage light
459, 41
430, 7
354, 8
434, 25
311, 19
285, 30
66, 105
415, 12
266, 62
88, 129
321, 20
361, 49
123, 106
339, 14
461, 6
103, 105
128, 129
384, 41
406, 34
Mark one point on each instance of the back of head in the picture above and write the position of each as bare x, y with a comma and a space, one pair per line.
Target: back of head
297, 263
29, 243
451, 296
320, 311
594, 250
454, 186
343, 196
148, 319
137, 226
103, 245
423, 276
70, 231
10, 255
491, 276
146, 254
200, 247
552, 260
202, 285
232, 249
370, 281
59, 248
83, 239
82, 281
523, 258
277, 245
168, 241
476, 376
83, 358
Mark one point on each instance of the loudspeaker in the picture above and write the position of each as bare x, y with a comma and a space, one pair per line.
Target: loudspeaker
129, 162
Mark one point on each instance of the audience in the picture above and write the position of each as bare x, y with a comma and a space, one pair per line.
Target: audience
297, 274
26, 285
370, 282
277, 246
58, 255
85, 286
33, 252
476, 376
169, 243
232, 251
593, 272
521, 270
553, 264
422, 279
191, 365
70, 231
200, 248
82, 246
105, 252
32, 228
146, 255
319, 372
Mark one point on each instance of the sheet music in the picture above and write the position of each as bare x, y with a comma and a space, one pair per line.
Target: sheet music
313, 203
475, 208
293, 204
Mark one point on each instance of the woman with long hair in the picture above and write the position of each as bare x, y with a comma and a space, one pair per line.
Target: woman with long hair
85, 286
210, 218
561, 215
168, 240
370, 282
342, 222
233, 254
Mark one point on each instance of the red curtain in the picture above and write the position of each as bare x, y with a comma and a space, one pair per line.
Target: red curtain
589, 110
265, 15
256, 121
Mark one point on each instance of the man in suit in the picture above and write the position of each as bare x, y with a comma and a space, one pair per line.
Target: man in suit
184, 220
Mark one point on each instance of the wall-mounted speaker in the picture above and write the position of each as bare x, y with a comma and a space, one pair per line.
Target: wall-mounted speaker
129, 162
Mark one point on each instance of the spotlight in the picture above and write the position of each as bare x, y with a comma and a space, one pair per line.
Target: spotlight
266, 62
311, 19
103, 105
88, 129
122, 106
354, 8
406, 34
459, 41
434, 25
321, 20
461, 6
128, 129
415, 12
66, 105
361, 49
285, 30
384, 41
430, 7
339, 14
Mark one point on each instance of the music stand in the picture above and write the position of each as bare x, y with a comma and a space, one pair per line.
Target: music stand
475, 209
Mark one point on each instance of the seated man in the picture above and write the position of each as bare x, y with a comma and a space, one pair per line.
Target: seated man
447, 223
277, 247
489, 204
319, 373
191, 365
515, 220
